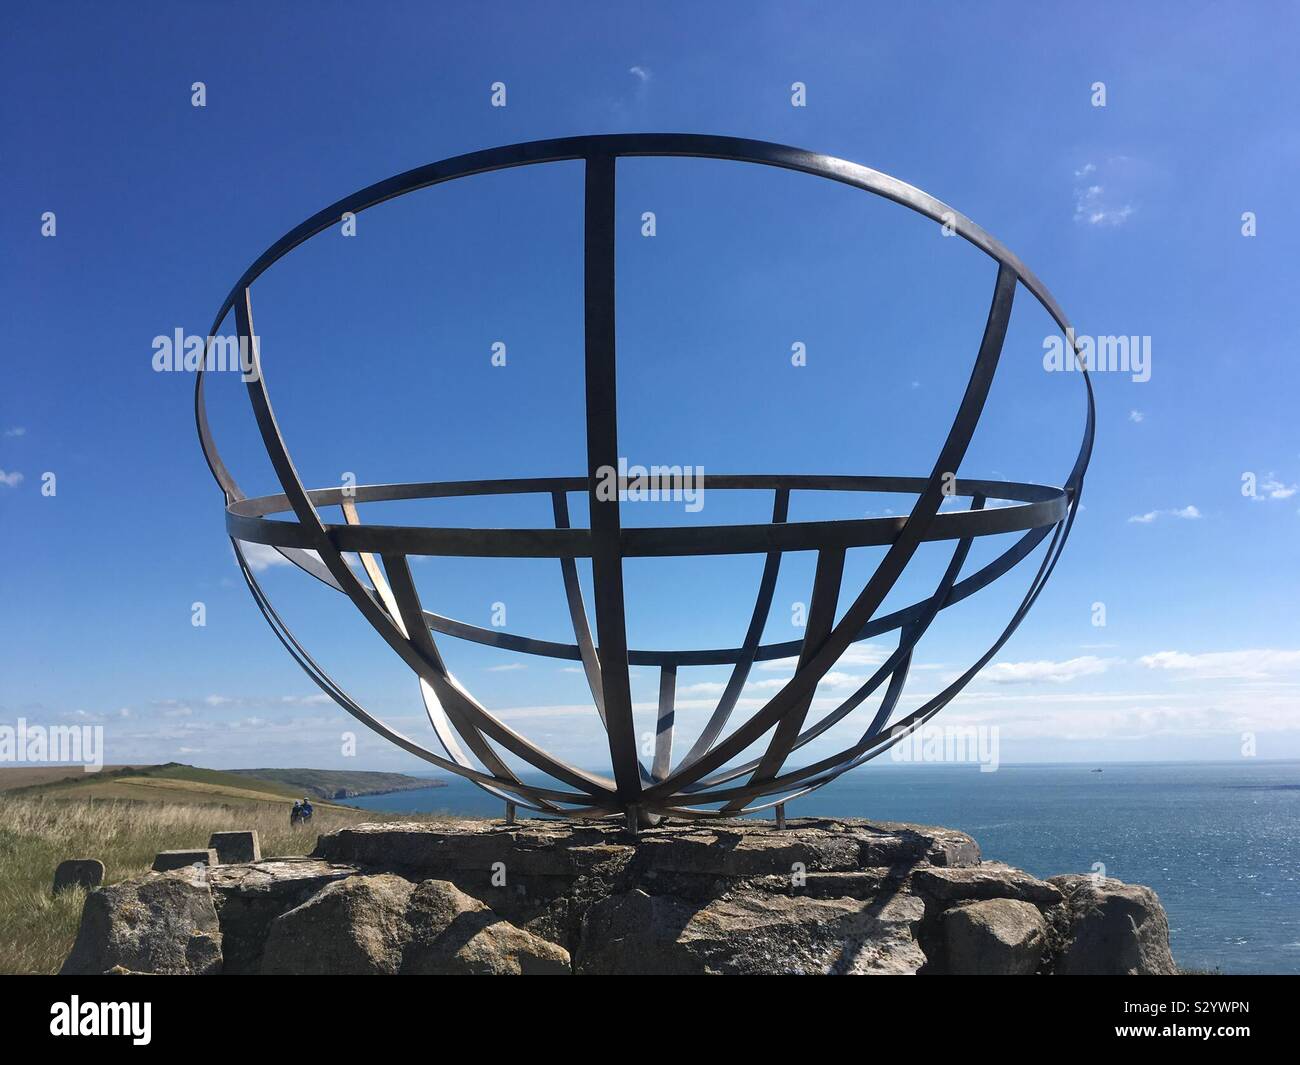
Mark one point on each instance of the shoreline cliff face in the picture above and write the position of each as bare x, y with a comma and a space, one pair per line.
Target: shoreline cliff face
838, 896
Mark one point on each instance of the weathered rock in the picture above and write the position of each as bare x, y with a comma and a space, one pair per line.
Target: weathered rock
990, 880
166, 861
452, 933
718, 849
893, 843
641, 933
159, 923
715, 852
249, 897
232, 847
732, 896
1114, 929
384, 924
994, 937
78, 872
353, 927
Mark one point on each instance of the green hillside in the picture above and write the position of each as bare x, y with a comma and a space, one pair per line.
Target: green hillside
338, 783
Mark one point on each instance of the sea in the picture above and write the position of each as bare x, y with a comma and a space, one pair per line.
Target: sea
1219, 842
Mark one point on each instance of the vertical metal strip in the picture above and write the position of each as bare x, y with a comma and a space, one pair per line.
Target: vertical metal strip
602, 466
665, 725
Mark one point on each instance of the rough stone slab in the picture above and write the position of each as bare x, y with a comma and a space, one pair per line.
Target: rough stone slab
994, 937
542, 848
352, 927
1114, 929
276, 876
729, 848
249, 897
894, 843
235, 847
990, 880
739, 853
454, 934
159, 923
861, 884
78, 872
654, 934
383, 924
169, 860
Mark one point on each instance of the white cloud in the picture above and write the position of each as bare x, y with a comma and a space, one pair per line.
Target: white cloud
642, 74
1187, 513
703, 687
1136, 416
1093, 207
510, 667
1055, 672
865, 654
1271, 489
11, 480
262, 556
17, 430
315, 699
1249, 664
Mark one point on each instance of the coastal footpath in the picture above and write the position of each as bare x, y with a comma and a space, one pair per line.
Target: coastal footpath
835, 896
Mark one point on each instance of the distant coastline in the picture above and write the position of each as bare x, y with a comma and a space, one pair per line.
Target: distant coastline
334, 784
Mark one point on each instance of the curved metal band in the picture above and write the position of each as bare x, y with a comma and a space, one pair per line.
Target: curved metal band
394, 611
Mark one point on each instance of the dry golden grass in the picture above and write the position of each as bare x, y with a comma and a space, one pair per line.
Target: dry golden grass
38, 832
25, 776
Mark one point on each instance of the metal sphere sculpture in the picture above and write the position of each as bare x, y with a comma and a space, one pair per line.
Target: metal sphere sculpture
701, 783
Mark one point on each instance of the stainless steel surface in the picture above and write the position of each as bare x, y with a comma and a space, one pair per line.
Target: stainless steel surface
701, 782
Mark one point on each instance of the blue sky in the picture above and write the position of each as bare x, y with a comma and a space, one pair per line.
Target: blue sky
377, 347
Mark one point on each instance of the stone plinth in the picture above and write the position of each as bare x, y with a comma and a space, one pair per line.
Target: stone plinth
838, 896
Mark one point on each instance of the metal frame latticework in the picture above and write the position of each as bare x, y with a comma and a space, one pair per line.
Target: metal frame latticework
703, 782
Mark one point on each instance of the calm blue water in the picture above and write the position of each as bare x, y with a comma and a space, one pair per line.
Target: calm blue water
1220, 843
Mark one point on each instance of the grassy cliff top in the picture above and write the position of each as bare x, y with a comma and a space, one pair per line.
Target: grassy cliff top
175, 781
338, 783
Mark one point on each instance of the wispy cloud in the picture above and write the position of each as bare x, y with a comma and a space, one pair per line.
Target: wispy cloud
17, 430
1044, 670
1251, 664
509, 667
1136, 416
262, 556
1187, 513
1093, 205
11, 480
1271, 490
703, 687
